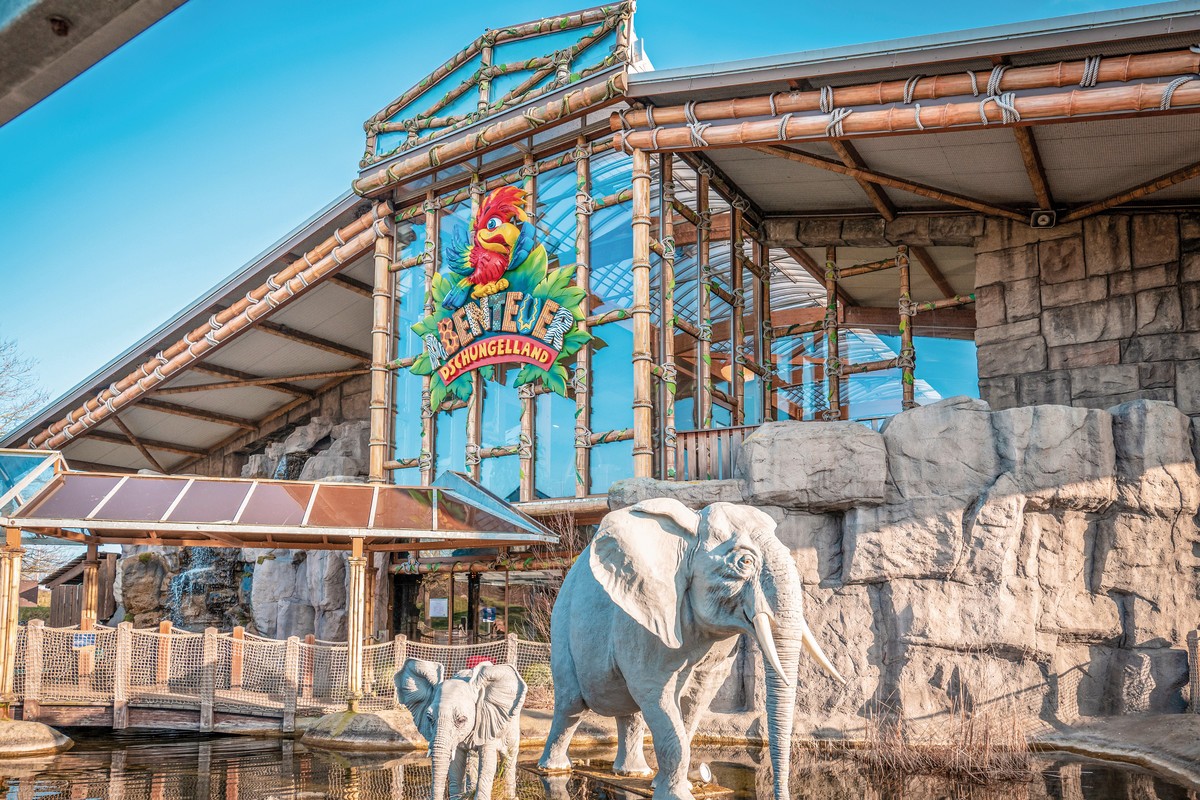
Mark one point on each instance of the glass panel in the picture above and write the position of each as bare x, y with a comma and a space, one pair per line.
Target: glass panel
556, 215
502, 409
280, 504
612, 381
503, 476
612, 258
456, 515
554, 475
14, 467
487, 500
404, 507
341, 506
74, 498
610, 462
142, 499
210, 501
452, 441
411, 289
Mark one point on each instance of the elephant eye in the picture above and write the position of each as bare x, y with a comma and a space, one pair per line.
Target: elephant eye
744, 562
460, 720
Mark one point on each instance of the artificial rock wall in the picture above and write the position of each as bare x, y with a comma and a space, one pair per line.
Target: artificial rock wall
1093, 313
1039, 561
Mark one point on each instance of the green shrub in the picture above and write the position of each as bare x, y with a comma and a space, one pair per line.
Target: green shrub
538, 676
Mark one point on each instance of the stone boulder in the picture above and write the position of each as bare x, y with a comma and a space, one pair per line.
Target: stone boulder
813, 466
1155, 468
946, 448
693, 494
304, 438
144, 581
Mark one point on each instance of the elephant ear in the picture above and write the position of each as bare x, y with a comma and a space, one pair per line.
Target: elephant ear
501, 695
638, 557
416, 685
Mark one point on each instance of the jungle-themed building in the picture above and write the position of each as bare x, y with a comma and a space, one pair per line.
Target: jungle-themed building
559, 268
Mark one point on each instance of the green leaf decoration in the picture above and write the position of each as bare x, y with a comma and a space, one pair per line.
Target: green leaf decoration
422, 366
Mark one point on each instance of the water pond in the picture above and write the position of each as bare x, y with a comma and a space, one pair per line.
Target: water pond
154, 766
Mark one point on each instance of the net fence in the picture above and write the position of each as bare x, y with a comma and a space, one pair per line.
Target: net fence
239, 672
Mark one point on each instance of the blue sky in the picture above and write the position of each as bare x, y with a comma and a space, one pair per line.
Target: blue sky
178, 158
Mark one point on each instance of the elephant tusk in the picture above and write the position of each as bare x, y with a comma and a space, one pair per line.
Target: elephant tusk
766, 640
814, 650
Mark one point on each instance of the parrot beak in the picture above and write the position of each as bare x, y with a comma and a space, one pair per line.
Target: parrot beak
500, 240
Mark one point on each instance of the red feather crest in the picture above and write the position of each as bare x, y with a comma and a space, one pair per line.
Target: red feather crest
507, 202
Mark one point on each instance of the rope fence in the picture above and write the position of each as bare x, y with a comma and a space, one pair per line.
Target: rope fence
239, 673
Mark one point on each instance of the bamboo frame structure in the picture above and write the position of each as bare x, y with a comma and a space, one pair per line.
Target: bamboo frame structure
908, 355
475, 401
10, 589
737, 310
527, 452
382, 321
582, 376
432, 255
666, 233
704, 382
643, 424
833, 345
766, 353
356, 567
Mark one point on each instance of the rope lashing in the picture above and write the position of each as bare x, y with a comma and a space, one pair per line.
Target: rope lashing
473, 457
654, 138
621, 116
1195, 48
583, 436
910, 88
1169, 91
1006, 103
974, 83
826, 99
993, 87
783, 123
696, 128
650, 116
917, 116
833, 128
1091, 72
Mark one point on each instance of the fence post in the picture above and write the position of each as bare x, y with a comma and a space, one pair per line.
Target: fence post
308, 665
122, 666
208, 680
162, 673
399, 652
1193, 645
510, 652
34, 636
236, 655
291, 678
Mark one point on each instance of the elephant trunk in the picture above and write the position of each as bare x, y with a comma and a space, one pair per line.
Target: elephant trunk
440, 753
782, 666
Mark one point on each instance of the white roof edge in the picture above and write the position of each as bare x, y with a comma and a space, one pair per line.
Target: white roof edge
1176, 17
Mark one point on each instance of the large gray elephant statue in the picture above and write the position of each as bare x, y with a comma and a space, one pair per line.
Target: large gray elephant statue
469, 720
645, 629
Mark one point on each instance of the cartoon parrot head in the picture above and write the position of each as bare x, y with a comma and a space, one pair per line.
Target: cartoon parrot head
498, 223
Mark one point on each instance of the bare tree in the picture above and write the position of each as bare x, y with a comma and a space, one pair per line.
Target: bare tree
20, 392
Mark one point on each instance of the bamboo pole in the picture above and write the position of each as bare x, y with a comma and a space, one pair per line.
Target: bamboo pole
528, 455
10, 589
382, 299
667, 271
766, 353
433, 216
833, 363
704, 384
737, 328
281, 288
1139, 191
91, 589
568, 106
908, 355
930, 119
583, 357
1069, 73
356, 566
475, 401
643, 425
946, 302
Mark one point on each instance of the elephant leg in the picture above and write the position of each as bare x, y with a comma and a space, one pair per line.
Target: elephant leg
487, 772
704, 683
457, 774
631, 747
512, 749
568, 713
671, 748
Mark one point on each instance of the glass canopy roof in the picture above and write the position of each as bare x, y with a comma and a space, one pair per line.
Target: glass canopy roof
219, 512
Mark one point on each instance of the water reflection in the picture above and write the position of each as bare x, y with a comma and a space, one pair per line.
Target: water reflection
153, 766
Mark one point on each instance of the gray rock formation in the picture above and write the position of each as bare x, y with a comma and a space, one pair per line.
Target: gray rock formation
1038, 562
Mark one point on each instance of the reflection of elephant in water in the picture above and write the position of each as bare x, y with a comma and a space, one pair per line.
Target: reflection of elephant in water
474, 716
645, 628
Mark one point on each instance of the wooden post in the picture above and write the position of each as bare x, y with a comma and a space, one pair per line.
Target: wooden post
433, 215
526, 451
10, 588
399, 652
356, 592
381, 351
35, 633
908, 310
237, 654
833, 363
91, 589
704, 313
766, 357
116, 776
162, 674
666, 214
450, 609
291, 676
475, 401
510, 649
208, 679
583, 357
122, 666
308, 666
643, 424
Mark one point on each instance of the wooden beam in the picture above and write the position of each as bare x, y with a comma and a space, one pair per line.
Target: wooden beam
850, 157
120, 423
723, 184
931, 269
196, 413
685, 232
351, 284
92, 466
1033, 166
266, 383
315, 342
1135, 193
874, 317
817, 271
238, 375
890, 181
166, 447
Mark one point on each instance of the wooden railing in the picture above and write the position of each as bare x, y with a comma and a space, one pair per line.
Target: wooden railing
709, 454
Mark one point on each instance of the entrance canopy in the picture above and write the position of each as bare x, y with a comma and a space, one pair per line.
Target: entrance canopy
43, 497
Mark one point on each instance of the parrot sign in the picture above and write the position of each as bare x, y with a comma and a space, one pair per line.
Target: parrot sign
499, 305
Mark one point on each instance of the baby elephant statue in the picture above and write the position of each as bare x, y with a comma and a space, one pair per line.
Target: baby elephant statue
645, 626
468, 720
